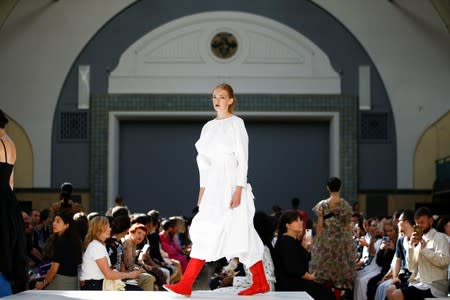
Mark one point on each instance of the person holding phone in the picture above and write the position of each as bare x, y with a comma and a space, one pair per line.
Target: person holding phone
223, 227
291, 259
428, 259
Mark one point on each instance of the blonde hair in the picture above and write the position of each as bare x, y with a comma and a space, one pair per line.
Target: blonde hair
229, 89
96, 227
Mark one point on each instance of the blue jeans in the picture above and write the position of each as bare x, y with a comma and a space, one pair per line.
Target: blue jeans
5, 287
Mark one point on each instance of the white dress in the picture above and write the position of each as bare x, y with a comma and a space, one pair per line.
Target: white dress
217, 230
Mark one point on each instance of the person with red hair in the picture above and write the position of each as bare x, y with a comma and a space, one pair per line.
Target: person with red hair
223, 227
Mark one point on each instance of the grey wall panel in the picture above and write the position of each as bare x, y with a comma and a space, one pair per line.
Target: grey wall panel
158, 168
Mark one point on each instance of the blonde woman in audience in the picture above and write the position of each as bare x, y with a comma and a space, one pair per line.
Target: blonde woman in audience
96, 265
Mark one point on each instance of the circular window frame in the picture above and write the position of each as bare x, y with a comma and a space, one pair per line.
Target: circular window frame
239, 42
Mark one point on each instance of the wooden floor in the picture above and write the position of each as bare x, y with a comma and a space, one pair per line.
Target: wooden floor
203, 295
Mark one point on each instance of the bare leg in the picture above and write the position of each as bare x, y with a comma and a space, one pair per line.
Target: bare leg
394, 294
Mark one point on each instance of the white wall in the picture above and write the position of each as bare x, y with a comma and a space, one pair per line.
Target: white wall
410, 46
406, 40
38, 44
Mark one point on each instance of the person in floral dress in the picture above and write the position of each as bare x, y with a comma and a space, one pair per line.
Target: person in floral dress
333, 252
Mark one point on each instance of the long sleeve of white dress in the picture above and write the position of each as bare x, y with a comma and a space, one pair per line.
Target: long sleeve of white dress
241, 146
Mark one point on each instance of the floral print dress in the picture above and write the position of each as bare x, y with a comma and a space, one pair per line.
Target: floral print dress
333, 253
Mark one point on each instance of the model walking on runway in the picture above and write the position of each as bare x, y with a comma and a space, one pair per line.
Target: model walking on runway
223, 226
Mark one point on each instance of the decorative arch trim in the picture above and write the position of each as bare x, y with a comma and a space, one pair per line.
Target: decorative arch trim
271, 58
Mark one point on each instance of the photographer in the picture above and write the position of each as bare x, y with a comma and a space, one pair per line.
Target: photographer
428, 258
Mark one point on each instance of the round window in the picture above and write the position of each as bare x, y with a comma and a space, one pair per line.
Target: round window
224, 45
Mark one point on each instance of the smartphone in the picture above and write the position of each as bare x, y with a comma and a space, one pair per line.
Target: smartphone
418, 230
386, 239
308, 233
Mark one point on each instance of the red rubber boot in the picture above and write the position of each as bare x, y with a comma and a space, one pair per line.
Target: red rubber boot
184, 287
259, 284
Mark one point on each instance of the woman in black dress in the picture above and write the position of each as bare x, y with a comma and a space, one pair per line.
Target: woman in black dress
12, 236
292, 260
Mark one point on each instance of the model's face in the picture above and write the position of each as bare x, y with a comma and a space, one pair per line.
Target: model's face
58, 225
221, 101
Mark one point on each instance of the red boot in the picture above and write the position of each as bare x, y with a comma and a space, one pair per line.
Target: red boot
184, 287
259, 284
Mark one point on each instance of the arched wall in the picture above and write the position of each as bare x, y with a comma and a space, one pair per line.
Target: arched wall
434, 144
345, 54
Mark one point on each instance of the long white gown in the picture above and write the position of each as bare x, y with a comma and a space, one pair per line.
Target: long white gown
217, 230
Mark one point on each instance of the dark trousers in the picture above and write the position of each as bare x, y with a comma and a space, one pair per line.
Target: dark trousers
91, 285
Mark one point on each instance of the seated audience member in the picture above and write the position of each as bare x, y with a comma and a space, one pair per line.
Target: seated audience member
41, 232
145, 257
119, 228
384, 257
169, 244
358, 236
136, 235
34, 256
443, 225
292, 260
428, 259
399, 274
63, 272
182, 236
370, 268
96, 265
155, 250
82, 223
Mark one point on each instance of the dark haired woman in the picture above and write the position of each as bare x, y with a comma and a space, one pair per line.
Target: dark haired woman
66, 257
292, 260
333, 253
223, 227
12, 238
119, 229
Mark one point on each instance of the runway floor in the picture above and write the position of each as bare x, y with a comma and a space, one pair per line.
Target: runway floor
99, 295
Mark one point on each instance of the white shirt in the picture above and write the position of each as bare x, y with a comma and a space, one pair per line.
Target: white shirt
89, 268
431, 262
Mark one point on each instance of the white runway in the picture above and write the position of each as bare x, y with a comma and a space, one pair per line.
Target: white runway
99, 295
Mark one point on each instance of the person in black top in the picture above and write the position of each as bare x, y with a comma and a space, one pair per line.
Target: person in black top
291, 260
66, 257
13, 277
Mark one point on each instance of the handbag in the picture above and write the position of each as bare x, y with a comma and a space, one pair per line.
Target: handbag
113, 285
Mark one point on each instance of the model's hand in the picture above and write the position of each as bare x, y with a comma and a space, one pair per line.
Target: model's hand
236, 199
